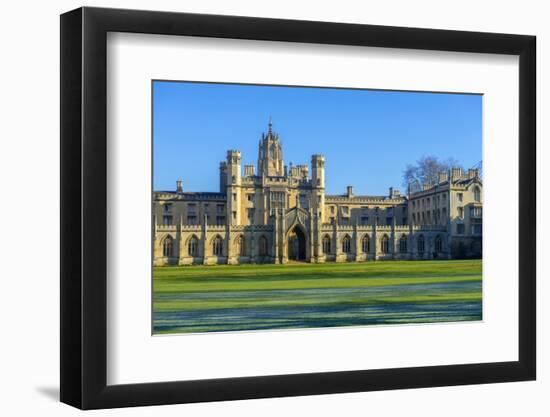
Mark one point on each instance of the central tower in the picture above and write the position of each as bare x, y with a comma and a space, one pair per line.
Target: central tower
270, 154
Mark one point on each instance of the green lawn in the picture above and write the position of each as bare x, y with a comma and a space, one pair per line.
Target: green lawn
253, 297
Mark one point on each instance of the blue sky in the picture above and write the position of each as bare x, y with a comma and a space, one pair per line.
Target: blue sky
367, 136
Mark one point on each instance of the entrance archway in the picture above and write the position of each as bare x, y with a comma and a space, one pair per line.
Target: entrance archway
296, 245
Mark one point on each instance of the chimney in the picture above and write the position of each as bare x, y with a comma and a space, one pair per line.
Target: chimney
473, 173
350, 191
394, 193
443, 176
179, 186
249, 170
456, 174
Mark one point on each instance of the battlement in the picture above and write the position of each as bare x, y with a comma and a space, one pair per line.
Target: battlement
166, 228
364, 199
191, 227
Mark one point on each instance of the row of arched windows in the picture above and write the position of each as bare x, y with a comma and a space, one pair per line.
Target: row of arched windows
240, 245
217, 246
384, 244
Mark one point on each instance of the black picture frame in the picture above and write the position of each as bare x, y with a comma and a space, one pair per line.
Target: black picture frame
84, 207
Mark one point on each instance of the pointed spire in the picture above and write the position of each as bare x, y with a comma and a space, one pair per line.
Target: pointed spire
270, 127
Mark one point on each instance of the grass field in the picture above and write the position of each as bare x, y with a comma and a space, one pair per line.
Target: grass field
258, 297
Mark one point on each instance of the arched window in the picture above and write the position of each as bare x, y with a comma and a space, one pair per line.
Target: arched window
168, 246
365, 244
326, 244
217, 246
240, 245
438, 244
193, 246
385, 244
403, 244
477, 194
263, 246
346, 244
421, 244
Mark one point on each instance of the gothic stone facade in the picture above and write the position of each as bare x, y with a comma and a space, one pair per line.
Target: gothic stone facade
281, 213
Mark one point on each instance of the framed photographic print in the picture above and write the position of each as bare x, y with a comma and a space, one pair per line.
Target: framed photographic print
257, 208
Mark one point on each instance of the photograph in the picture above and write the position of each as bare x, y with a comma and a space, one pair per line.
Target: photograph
281, 207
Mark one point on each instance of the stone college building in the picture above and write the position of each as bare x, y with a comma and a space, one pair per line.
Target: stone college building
281, 213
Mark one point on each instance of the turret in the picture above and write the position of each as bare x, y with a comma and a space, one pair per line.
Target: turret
318, 171
234, 167
318, 184
270, 154
233, 187
223, 176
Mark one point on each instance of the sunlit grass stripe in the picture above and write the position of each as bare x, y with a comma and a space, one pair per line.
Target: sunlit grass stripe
282, 284
368, 268
265, 302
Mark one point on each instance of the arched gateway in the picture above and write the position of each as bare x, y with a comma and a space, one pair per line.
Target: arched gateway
296, 245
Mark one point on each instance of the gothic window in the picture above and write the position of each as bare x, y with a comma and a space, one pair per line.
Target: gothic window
385, 244
217, 246
167, 208
168, 246
460, 212
326, 245
403, 244
365, 244
438, 244
477, 194
459, 195
421, 244
240, 246
263, 246
346, 244
167, 220
193, 246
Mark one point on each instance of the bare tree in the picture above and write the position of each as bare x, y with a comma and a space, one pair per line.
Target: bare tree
426, 170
